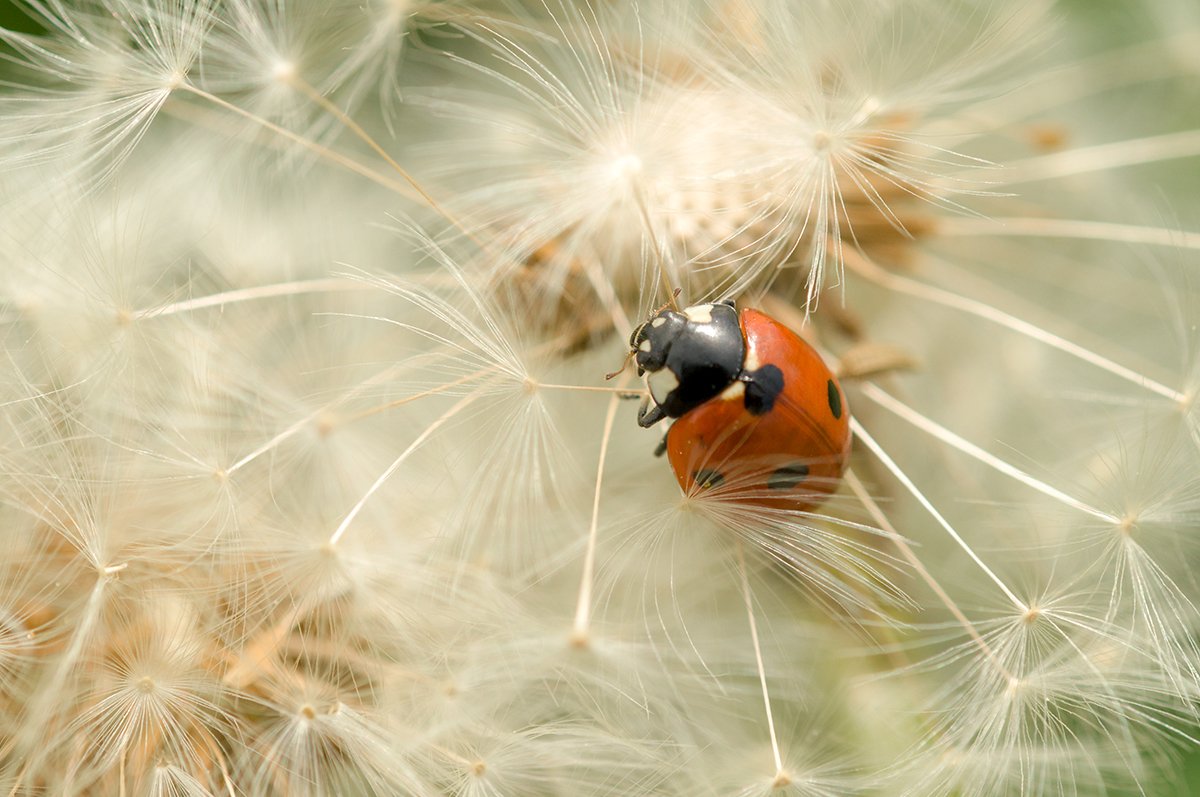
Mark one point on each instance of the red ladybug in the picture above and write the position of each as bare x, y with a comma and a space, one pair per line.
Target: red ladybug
758, 413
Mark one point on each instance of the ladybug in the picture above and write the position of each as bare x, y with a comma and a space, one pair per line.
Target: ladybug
757, 412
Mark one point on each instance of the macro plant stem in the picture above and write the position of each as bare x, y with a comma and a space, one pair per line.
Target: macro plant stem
581, 628
322, 151
862, 434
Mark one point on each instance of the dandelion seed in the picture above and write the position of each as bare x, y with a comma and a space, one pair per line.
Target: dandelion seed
115, 66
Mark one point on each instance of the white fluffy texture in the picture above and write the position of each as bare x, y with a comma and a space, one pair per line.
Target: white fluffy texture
311, 483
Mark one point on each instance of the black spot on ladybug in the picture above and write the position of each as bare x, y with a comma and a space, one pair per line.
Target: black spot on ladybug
787, 477
835, 399
762, 388
706, 478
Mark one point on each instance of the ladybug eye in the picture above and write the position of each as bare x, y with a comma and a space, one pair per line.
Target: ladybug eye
639, 334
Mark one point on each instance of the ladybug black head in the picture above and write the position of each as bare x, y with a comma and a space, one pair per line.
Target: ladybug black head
651, 342
688, 356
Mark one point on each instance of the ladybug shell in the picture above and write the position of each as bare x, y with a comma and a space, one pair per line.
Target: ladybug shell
790, 456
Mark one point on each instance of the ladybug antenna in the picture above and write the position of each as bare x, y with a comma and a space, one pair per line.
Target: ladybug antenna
624, 365
673, 295
674, 305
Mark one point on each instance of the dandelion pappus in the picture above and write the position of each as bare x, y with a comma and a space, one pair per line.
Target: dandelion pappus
756, 409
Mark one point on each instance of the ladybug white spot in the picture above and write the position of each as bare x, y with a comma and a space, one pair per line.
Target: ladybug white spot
661, 383
644, 346
699, 313
658, 322
735, 391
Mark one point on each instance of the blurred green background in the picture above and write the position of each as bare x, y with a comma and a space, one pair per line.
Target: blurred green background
13, 18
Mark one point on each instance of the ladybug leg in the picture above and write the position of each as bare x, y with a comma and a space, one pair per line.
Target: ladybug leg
648, 416
661, 448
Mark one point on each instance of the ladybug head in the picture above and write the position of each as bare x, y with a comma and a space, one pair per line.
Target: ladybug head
651, 341
688, 356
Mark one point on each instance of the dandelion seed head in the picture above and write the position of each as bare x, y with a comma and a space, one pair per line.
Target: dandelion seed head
624, 166
284, 71
169, 780
311, 481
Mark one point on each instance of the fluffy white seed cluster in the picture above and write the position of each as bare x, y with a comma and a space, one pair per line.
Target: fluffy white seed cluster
311, 482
